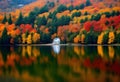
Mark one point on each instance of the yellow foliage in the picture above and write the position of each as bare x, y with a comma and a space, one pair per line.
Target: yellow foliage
29, 39
77, 50
111, 37
29, 50
44, 14
82, 38
82, 50
111, 51
100, 50
73, 11
23, 50
103, 16
116, 8
100, 38
35, 51
23, 38
36, 37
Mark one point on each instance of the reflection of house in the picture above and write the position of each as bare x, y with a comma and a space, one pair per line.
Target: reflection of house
56, 41
56, 48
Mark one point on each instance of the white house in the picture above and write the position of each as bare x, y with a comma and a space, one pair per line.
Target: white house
56, 41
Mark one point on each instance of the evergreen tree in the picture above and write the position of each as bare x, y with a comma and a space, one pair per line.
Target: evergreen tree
43, 9
108, 14
61, 8
10, 19
4, 19
31, 18
70, 8
5, 38
64, 20
76, 14
88, 3
41, 21
45, 38
86, 13
81, 6
19, 20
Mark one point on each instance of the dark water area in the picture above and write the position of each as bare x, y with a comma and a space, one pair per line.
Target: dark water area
59, 63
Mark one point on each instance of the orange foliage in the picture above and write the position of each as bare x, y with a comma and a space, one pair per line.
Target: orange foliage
74, 28
77, 39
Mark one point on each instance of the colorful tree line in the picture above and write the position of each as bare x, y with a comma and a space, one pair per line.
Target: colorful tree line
84, 23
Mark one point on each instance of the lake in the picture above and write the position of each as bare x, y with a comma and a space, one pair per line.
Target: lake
60, 63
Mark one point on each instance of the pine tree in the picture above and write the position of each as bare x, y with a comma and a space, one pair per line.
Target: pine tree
88, 3
5, 38
10, 19
19, 20
4, 19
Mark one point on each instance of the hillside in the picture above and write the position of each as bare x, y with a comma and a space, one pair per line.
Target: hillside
73, 21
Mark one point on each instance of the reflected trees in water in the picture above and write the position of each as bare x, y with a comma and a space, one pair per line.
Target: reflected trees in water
71, 63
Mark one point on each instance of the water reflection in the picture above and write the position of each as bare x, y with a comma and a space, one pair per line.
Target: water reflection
73, 64
56, 49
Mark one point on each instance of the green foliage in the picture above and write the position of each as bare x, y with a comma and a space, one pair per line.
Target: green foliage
16, 39
64, 20
43, 9
36, 10
4, 19
76, 14
117, 38
45, 38
70, 8
88, 3
107, 14
76, 7
51, 4
41, 21
5, 39
84, 20
31, 18
105, 37
95, 17
61, 8
81, 6
19, 20
113, 13
71, 36
91, 37
10, 19
52, 15
53, 30
86, 13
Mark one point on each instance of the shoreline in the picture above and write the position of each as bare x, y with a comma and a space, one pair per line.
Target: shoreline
68, 44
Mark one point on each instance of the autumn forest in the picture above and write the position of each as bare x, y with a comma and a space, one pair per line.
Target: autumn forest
73, 21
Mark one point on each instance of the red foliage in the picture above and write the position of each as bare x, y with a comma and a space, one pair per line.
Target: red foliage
27, 27
101, 25
102, 65
97, 26
87, 25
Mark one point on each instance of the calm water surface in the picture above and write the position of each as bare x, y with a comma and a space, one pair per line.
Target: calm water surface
60, 63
